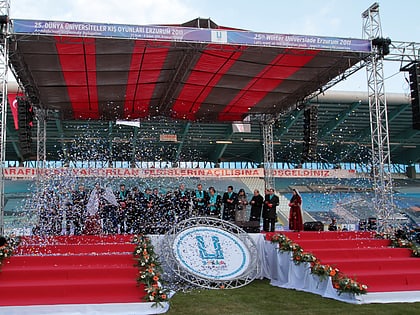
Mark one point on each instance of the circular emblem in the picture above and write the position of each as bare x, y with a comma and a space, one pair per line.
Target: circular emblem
211, 253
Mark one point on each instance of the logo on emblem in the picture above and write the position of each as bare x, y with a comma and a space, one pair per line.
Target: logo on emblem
211, 253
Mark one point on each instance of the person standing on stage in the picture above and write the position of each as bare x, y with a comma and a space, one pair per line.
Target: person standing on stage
122, 198
256, 203
199, 198
182, 203
333, 225
214, 203
269, 214
78, 210
230, 200
147, 209
110, 208
133, 211
240, 214
155, 218
94, 211
295, 214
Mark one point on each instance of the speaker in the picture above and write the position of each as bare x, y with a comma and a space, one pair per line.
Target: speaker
249, 226
25, 119
310, 133
410, 171
414, 76
313, 226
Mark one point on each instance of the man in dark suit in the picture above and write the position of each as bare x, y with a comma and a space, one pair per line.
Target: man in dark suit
271, 201
230, 200
182, 203
199, 198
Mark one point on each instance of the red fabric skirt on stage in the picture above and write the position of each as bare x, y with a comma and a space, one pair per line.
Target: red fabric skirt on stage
295, 219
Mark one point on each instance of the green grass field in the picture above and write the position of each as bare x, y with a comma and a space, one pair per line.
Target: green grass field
260, 297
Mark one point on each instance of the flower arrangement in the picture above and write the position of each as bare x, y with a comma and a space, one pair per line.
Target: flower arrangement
340, 281
149, 270
299, 256
285, 244
7, 247
323, 271
344, 284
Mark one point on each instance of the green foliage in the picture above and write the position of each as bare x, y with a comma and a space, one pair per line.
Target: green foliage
7, 247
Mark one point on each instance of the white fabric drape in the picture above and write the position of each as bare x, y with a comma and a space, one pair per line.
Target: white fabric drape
282, 272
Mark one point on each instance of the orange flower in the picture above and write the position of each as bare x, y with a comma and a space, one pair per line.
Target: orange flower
333, 272
155, 278
164, 296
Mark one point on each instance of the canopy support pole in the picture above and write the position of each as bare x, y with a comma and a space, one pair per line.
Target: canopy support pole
4, 66
267, 123
381, 158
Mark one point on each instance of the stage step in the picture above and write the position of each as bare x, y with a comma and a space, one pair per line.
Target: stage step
324, 235
360, 253
68, 249
344, 243
71, 270
368, 260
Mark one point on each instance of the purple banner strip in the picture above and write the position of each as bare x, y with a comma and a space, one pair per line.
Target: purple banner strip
188, 34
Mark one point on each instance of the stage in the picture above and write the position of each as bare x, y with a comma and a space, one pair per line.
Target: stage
28, 273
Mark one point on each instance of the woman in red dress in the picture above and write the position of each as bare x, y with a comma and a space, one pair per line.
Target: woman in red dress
295, 215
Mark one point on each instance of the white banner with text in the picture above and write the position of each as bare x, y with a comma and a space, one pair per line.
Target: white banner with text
31, 173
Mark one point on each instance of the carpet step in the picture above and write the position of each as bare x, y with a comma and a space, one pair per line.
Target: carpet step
308, 235
70, 292
345, 243
76, 239
374, 264
47, 273
389, 282
101, 248
69, 260
360, 253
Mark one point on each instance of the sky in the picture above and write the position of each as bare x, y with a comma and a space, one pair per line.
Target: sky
334, 18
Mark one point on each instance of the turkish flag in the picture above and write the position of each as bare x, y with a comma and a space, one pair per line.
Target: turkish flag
14, 107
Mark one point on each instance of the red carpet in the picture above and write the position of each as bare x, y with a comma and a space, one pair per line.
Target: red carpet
358, 255
71, 270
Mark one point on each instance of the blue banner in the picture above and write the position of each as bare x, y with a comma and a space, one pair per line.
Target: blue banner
189, 34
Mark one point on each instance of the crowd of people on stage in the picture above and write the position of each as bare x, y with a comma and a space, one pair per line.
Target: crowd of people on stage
104, 211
